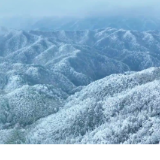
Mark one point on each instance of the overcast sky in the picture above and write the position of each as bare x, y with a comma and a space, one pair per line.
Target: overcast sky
76, 7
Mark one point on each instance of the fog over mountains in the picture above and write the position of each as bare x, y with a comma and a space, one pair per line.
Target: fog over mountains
138, 22
80, 81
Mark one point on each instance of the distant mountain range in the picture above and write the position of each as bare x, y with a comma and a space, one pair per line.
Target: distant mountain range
79, 86
138, 23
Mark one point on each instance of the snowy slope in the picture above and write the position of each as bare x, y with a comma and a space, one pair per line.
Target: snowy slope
116, 109
122, 108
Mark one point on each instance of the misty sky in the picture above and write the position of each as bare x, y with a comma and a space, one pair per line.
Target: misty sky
76, 7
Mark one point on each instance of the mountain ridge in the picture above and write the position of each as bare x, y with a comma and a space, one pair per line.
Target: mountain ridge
139, 23
67, 86
101, 114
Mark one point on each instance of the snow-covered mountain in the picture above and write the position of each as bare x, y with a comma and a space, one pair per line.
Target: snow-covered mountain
117, 109
121, 108
78, 57
68, 86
